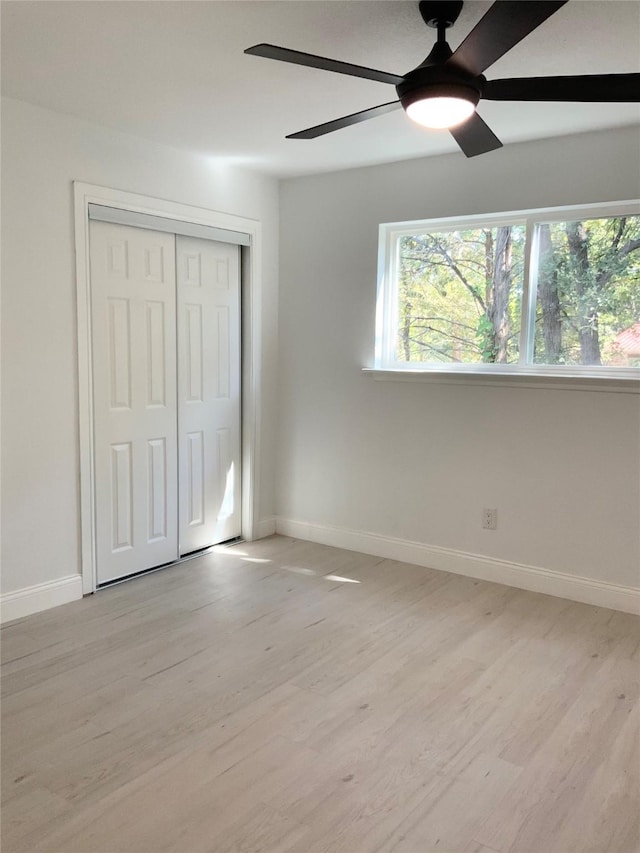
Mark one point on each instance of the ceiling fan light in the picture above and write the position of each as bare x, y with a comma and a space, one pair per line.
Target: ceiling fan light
440, 111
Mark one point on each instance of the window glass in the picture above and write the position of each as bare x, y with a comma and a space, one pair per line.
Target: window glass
588, 292
548, 292
460, 295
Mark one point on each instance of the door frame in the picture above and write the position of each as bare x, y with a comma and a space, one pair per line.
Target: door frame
251, 338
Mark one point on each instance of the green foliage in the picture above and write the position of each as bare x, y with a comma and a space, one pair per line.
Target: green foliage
484, 336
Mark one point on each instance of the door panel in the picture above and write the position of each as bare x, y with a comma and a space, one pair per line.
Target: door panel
208, 279
133, 294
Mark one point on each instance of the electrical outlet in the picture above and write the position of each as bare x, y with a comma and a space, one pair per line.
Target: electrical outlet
489, 518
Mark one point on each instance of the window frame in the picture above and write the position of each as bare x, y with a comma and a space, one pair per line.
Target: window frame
389, 234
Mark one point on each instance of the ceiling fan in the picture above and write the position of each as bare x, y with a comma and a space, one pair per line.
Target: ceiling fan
444, 90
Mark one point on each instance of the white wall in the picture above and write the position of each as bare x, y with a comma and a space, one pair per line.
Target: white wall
417, 462
42, 153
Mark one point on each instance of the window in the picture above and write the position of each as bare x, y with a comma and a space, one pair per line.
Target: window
555, 291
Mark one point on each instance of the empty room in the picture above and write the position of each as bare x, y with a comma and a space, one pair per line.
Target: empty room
320, 426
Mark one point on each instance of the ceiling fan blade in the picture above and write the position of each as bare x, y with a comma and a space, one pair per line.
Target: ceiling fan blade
475, 137
593, 88
283, 54
505, 24
345, 121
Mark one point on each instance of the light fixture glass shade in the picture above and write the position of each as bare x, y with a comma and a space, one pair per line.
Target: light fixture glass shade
440, 112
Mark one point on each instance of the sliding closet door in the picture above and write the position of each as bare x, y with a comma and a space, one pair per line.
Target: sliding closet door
133, 295
208, 392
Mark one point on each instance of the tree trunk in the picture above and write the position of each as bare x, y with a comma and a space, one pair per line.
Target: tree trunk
548, 294
488, 265
498, 310
406, 330
587, 308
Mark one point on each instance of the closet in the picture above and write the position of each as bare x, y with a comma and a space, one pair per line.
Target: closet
165, 326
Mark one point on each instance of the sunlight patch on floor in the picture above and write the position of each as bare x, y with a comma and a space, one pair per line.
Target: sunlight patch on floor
299, 571
228, 549
340, 579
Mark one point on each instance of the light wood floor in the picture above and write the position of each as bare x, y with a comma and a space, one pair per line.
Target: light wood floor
294, 698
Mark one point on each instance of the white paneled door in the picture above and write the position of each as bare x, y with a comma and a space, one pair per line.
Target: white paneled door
134, 381
166, 470
208, 391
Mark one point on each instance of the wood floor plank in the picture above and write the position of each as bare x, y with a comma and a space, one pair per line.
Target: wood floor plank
556, 781
285, 697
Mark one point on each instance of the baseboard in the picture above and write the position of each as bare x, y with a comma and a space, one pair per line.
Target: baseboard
266, 527
33, 599
532, 578
42, 596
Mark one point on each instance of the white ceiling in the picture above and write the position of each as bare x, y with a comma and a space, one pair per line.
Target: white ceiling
175, 72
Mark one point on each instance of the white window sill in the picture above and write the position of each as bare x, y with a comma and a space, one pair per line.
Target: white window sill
503, 377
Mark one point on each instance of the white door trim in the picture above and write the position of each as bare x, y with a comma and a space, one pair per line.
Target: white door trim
251, 265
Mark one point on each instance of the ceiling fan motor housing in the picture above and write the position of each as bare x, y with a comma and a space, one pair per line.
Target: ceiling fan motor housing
429, 81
